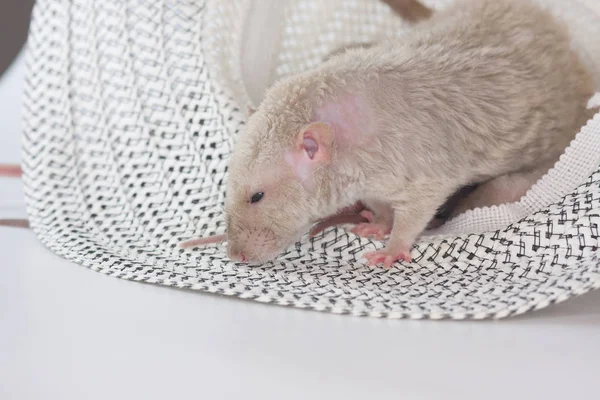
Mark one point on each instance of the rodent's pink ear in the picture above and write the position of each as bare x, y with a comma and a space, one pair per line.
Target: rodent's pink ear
312, 148
251, 110
315, 141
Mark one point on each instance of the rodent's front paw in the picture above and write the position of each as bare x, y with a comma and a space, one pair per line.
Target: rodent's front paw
386, 257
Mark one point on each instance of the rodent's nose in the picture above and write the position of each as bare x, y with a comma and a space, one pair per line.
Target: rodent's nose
238, 256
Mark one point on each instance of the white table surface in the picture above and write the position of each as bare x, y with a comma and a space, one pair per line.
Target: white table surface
70, 333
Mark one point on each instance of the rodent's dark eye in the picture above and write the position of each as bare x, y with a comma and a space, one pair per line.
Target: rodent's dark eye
256, 197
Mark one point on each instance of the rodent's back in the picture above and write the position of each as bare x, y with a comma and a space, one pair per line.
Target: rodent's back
540, 80
486, 79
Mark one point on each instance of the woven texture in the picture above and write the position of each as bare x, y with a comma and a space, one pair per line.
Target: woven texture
131, 110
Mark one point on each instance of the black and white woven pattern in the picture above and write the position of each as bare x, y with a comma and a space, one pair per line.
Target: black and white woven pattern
130, 112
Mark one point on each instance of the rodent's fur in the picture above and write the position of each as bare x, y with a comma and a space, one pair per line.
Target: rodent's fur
410, 10
483, 88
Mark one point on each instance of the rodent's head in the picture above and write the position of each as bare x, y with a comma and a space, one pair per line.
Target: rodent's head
277, 178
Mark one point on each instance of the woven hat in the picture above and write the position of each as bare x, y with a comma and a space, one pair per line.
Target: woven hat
131, 109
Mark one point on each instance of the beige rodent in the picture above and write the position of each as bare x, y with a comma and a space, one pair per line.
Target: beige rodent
482, 89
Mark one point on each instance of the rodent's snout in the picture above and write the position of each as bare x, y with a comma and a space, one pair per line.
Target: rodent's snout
246, 253
242, 251
236, 255
250, 246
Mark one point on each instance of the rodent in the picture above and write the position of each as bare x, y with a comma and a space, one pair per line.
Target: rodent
482, 89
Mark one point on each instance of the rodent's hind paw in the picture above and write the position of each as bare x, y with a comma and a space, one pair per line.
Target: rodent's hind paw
371, 229
386, 258
368, 215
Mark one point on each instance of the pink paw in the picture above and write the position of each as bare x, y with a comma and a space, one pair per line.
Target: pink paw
368, 215
370, 229
384, 257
